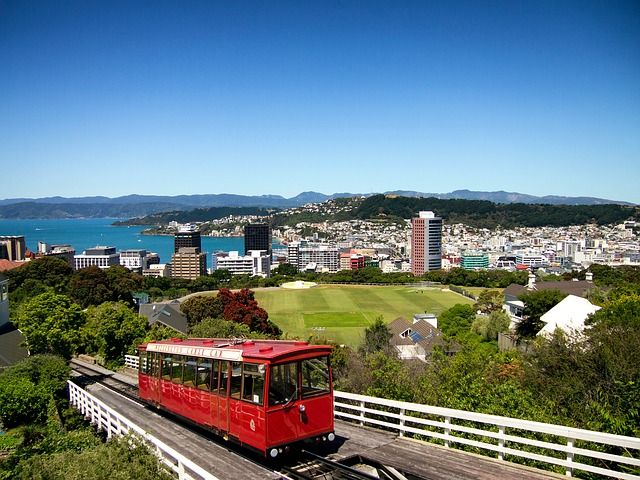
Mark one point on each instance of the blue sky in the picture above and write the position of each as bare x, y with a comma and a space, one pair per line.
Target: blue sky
119, 97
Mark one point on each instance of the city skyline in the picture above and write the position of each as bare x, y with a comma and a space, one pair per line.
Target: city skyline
247, 98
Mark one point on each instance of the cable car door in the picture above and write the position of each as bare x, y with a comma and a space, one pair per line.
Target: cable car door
223, 397
154, 381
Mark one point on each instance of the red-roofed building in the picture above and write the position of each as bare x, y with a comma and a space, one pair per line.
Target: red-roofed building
9, 265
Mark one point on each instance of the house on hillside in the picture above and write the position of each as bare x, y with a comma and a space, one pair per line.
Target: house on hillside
417, 340
167, 314
4, 300
514, 307
569, 316
11, 339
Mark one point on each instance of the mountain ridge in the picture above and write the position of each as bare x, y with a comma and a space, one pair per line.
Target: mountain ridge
134, 205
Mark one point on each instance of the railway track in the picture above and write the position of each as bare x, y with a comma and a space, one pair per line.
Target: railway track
316, 467
88, 375
306, 465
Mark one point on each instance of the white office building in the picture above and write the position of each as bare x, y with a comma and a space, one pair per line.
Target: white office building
133, 259
256, 263
102, 257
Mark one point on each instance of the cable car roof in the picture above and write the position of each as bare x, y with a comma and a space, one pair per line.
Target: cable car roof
234, 349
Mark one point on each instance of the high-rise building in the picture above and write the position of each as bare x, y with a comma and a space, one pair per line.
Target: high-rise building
426, 243
189, 262
187, 236
12, 248
257, 236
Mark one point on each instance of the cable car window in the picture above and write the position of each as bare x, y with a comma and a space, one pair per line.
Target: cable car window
283, 384
203, 375
142, 363
214, 376
315, 376
253, 382
176, 368
166, 367
155, 364
224, 375
189, 372
236, 379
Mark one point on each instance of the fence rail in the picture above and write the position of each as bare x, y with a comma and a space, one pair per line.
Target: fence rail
496, 434
503, 436
113, 423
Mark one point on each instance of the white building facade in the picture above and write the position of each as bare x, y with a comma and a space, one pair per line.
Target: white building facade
256, 263
102, 257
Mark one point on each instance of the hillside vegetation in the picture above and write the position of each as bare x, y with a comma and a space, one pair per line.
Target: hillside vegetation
484, 214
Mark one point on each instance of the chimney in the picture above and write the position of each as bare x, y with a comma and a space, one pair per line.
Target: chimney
531, 283
588, 277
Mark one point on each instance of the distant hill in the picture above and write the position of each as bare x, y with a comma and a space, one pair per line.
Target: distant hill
486, 214
197, 215
141, 205
511, 197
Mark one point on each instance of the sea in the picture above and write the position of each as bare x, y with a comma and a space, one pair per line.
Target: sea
90, 232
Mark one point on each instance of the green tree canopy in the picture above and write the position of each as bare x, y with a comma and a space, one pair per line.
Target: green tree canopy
457, 320
90, 286
376, 338
220, 328
489, 301
27, 387
285, 269
113, 330
489, 326
51, 324
51, 271
199, 307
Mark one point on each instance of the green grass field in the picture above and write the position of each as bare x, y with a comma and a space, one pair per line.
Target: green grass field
341, 313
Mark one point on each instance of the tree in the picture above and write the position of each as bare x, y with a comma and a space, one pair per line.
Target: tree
21, 401
199, 307
457, 320
489, 326
285, 269
376, 338
220, 328
113, 330
489, 301
242, 307
90, 286
124, 457
51, 271
27, 387
123, 283
51, 324
159, 332
536, 304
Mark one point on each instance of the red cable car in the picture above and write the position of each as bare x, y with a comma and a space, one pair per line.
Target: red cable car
264, 394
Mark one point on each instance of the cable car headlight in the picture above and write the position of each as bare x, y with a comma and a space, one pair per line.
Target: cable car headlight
273, 452
331, 437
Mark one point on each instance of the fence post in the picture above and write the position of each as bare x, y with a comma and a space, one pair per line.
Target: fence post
570, 445
402, 422
501, 430
362, 412
447, 430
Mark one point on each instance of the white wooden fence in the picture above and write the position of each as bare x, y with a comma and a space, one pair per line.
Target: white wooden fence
554, 445
497, 434
113, 423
